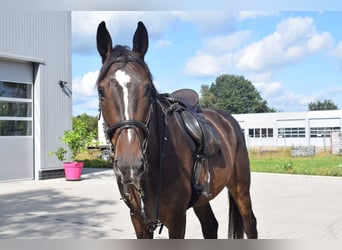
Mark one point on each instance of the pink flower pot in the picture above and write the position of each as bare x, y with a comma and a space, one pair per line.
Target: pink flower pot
73, 170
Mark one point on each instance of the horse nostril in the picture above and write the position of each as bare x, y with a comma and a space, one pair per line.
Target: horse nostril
141, 167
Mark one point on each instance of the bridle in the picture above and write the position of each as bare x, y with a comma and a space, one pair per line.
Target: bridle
116, 129
119, 127
111, 129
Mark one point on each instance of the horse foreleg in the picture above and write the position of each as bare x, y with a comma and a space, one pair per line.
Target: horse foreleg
177, 227
140, 228
208, 221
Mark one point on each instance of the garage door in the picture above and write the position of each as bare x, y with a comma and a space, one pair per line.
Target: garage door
16, 120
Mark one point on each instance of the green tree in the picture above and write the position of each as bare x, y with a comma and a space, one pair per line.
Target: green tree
76, 140
322, 105
90, 121
233, 94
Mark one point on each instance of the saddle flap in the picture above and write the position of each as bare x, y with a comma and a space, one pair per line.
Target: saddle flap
192, 126
203, 134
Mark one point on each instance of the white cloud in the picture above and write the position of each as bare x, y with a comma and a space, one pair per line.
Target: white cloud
337, 53
268, 89
217, 56
338, 50
293, 39
209, 21
290, 101
84, 94
163, 43
121, 25
89, 106
260, 77
283, 99
320, 41
255, 14
227, 43
85, 86
206, 65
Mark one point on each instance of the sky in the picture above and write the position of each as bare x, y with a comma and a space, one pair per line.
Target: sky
291, 57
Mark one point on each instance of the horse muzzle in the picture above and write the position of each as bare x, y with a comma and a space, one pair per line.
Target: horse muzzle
129, 173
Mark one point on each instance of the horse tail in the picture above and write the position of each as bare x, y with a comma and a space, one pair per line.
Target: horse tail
235, 227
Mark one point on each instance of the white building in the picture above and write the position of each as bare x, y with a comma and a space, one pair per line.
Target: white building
285, 129
312, 128
35, 55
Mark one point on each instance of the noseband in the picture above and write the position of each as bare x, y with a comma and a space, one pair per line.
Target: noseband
129, 124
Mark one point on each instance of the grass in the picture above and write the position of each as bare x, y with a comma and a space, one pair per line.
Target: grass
281, 161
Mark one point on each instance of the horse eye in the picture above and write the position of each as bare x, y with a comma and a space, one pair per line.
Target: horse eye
101, 92
148, 89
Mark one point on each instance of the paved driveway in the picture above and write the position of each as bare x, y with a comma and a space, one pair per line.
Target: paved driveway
286, 206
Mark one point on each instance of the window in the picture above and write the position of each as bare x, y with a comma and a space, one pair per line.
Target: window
257, 132
291, 132
15, 128
20, 109
15, 109
15, 90
263, 132
251, 132
260, 132
320, 132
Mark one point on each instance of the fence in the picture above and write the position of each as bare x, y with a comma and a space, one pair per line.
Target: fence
336, 142
303, 151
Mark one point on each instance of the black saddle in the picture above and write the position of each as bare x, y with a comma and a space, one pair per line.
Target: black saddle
204, 135
189, 98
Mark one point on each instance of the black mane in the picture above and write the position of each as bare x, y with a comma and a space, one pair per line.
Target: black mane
122, 54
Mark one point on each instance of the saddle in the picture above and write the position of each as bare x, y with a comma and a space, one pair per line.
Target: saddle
203, 134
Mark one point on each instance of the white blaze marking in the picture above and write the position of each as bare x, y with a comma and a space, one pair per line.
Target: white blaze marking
123, 79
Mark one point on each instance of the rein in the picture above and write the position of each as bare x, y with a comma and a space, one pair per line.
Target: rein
151, 224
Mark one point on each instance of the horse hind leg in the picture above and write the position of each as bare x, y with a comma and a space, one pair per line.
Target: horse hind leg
235, 227
241, 217
208, 221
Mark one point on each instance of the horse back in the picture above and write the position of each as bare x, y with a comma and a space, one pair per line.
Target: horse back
226, 126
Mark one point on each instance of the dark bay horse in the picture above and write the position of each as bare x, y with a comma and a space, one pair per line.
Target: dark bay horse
154, 156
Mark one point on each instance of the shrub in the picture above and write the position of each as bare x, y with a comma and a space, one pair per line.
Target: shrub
96, 163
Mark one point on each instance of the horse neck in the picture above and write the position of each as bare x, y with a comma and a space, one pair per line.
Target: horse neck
156, 134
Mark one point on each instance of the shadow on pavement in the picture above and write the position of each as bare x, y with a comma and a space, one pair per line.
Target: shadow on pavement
50, 212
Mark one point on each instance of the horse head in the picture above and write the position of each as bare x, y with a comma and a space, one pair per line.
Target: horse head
125, 87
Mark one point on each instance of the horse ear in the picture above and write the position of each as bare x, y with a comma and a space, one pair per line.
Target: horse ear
140, 40
104, 41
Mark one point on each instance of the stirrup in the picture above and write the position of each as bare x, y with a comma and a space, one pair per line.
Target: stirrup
206, 192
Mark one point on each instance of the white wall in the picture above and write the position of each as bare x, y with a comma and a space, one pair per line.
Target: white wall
43, 38
310, 119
